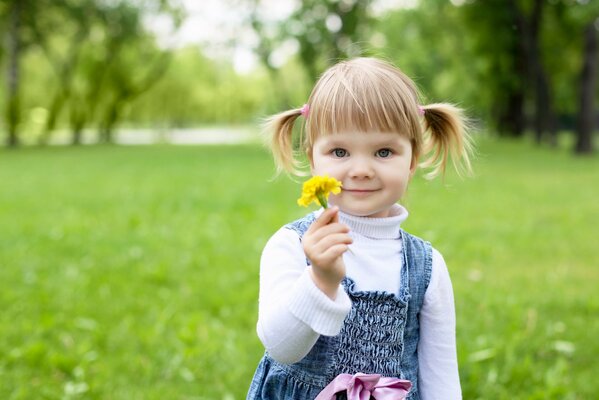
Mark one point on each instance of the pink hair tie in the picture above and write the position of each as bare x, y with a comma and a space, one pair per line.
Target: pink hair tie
421, 110
305, 110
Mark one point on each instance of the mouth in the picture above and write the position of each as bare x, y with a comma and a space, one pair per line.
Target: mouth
360, 190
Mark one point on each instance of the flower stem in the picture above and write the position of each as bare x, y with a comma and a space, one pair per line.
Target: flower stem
322, 200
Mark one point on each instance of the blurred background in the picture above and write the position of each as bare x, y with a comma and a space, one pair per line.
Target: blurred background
147, 70
129, 262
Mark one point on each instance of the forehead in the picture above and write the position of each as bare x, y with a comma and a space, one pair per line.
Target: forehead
357, 138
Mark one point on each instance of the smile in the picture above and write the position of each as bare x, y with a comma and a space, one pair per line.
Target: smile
360, 191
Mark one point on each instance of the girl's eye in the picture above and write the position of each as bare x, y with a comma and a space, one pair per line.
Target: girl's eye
383, 153
339, 153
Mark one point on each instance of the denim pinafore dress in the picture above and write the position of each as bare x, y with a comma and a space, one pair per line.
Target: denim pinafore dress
379, 335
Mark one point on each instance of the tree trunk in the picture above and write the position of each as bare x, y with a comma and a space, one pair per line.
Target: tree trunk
544, 119
588, 83
110, 120
13, 46
125, 93
55, 107
63, 68
511, 120
78, 121
545, 126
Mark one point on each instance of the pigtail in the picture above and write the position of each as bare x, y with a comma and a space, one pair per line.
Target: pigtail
446, 136
280, 129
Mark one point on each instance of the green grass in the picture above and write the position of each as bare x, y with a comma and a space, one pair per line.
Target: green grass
132, 273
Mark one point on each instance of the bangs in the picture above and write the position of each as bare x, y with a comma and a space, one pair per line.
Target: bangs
358, 95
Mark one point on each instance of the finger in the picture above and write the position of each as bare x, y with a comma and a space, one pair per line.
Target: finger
327, 230
335, 252
312, 239
332, 240
326, 261
325, 218
335, 217
317, 252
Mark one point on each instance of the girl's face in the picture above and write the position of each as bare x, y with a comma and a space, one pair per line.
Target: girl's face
374, 167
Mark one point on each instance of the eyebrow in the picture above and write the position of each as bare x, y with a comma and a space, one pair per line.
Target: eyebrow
335, 142
389, 142
378, 143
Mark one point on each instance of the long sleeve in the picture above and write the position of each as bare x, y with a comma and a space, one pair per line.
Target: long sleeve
293, 312
437, 356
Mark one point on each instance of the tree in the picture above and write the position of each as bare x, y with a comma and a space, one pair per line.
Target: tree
61, 35
325, 31
14, 49
544, 115
130, 48
328, 31
574, 28
507, 38
22, 34
431, 44
586, 121
83, 42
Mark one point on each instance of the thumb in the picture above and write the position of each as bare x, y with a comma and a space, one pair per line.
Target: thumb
335, 215
329, 215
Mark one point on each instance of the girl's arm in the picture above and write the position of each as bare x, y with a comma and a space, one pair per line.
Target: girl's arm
293, 311
437, 357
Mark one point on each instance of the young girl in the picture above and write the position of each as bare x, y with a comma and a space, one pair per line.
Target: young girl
349, 302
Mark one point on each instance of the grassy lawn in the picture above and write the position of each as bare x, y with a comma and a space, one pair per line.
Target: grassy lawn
132, 272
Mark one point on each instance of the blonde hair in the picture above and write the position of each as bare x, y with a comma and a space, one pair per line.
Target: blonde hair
368, 94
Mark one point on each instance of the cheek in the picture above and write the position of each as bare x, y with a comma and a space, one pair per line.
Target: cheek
315, 164
400, 181
322, 166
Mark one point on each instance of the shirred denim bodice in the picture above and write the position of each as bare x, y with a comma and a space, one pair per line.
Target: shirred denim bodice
379, 335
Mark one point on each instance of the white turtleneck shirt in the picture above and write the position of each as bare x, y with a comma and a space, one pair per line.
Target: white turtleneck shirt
293, 312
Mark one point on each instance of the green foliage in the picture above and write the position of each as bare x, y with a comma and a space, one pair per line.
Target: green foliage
562, 46
436, 55
140, 280
507, 64
93, 64
90, 48
211, 92
197, 90
328, 30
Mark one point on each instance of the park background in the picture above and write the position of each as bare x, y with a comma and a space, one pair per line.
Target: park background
136, 195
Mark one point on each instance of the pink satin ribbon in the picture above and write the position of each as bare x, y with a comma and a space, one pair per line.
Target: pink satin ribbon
361, 386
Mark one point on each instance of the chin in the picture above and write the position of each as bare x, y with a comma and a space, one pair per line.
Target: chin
362, 213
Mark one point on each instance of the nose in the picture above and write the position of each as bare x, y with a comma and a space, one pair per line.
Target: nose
361, 168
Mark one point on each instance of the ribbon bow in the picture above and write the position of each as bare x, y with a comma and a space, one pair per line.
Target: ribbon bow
362, 386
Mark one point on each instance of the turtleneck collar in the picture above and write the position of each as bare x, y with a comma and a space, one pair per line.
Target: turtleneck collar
376, 228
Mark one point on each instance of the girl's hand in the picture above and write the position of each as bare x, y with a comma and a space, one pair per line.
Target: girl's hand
324, 244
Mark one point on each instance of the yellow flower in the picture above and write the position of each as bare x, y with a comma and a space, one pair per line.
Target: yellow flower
317, 189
